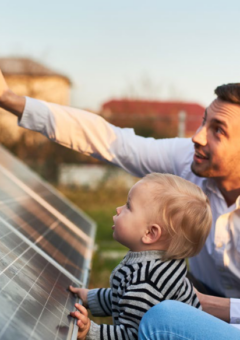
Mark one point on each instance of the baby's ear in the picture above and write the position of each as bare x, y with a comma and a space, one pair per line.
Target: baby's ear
152, 234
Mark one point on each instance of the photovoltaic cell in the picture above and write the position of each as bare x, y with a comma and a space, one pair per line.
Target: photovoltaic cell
42, 252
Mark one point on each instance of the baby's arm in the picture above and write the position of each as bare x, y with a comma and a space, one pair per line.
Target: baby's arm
130, 309
88, 330
99, 302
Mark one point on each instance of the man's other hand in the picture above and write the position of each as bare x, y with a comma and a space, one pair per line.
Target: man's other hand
3, 87
9, 100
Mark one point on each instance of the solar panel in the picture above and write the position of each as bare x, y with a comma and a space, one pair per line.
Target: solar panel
45, 245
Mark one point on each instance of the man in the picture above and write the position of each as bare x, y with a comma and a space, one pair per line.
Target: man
212, 161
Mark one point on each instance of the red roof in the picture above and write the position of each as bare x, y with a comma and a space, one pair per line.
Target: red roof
158, 109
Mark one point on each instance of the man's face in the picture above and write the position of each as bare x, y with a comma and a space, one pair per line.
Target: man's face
133, 218
217, 144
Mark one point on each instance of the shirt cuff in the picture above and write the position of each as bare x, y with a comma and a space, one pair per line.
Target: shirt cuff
235, 311
35, 115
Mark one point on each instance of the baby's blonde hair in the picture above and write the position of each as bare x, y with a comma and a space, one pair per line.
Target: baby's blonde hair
184, 214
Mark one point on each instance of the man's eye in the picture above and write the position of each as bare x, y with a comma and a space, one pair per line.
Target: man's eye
219, 130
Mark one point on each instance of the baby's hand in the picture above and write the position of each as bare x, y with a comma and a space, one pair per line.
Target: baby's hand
81, 293
83, 322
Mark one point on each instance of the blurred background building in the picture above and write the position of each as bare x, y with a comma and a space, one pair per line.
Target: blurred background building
30, 78
27, 77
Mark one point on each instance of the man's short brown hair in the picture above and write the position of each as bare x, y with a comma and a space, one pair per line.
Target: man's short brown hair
229, 92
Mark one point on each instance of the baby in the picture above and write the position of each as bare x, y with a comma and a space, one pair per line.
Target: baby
165, 220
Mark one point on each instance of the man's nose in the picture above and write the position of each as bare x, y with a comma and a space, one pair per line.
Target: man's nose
200, 136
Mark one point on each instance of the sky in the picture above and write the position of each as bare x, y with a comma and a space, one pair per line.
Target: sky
156, 50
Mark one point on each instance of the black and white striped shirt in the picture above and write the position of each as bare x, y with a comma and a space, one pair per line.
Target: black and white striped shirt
140, 281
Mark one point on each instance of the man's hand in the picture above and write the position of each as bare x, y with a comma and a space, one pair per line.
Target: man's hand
83, 322
9, 100
3, 86
81, 293
217, 306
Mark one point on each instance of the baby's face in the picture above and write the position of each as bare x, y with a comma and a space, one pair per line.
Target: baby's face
133, 219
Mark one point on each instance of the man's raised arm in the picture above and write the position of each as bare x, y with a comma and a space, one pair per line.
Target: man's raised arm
90, 134
9, 100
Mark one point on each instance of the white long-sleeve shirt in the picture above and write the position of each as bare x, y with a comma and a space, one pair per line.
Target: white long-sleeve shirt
218, 264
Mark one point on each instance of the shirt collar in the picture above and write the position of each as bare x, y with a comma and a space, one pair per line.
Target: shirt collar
211, 185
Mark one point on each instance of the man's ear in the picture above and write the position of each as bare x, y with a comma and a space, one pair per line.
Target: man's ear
152, 234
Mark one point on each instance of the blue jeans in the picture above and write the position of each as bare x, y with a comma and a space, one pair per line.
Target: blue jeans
173, 320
